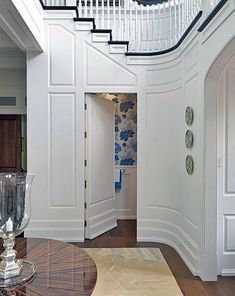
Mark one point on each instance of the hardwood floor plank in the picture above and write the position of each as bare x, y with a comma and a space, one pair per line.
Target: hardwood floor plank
124, 236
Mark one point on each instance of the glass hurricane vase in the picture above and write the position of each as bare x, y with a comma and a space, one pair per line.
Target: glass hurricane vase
15, 210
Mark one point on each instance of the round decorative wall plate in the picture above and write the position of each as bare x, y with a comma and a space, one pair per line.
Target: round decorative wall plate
189, 164
189, 115
189, 139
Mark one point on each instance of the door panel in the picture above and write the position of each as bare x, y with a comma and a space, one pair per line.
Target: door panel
226, 173
100, 192
10, 143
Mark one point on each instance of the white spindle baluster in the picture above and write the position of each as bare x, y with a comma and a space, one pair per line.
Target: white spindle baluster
136, 27
182, 17
153, 26
114, 18
190, 3
80, 8
125, 23
187, 14
170, 23
141, 27
97, 13
147, 28
91, 8
175, 21
165, 25
159, 26
180, 5
131, 24
85, 8
102, 14
119, 21
194, 8
108, 15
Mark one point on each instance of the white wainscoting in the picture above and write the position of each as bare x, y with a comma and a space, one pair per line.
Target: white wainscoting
126, 197
171, 204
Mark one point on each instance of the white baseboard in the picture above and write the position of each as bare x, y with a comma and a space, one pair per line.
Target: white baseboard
228, 272
163, 232
64, 230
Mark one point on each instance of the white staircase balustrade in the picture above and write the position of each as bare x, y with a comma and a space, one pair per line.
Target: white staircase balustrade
148, 28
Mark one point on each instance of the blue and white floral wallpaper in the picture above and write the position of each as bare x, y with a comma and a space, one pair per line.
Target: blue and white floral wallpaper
126, 129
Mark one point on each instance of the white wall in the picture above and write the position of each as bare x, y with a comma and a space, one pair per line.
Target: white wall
12, 75
173, 207
126, 197
169, 200
13, 84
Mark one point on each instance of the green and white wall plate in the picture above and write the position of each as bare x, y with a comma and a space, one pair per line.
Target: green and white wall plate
189, 116
189, 139
189, 164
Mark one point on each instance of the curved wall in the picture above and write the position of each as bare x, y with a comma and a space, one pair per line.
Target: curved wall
169, 207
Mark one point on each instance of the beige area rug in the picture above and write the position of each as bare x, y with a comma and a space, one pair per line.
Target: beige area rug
133, 272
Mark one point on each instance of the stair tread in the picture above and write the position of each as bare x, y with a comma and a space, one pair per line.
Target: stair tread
118, 42
101, 31
84, 19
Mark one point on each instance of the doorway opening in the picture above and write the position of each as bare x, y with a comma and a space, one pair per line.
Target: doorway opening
226, 169
219, 249
110, 161
12, 145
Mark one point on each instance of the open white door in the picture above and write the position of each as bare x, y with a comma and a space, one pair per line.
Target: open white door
100, 213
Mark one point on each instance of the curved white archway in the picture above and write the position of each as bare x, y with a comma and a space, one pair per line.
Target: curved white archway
210, 230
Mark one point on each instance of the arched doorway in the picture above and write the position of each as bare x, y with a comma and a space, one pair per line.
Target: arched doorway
211, 228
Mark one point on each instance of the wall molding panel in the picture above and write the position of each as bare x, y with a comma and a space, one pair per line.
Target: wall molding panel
96, 59
62, 134
61, 61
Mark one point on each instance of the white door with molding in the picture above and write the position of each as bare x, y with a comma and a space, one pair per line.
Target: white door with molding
100, 212
226, 171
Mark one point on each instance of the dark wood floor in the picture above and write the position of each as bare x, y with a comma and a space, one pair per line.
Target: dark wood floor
125, 236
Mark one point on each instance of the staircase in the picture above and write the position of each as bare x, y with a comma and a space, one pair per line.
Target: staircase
135, 29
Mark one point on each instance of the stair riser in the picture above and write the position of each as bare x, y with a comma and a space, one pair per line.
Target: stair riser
83, 26
117, 48
100, 37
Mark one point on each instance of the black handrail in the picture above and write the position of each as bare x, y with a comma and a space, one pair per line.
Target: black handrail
153, 53
212, 15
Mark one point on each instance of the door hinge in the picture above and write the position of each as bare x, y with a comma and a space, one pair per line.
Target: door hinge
85, 223
85, 205
85, 162
85, 135
85, 106
85, 184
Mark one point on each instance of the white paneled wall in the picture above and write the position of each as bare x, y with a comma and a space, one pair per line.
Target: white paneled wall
170, 204
126, 197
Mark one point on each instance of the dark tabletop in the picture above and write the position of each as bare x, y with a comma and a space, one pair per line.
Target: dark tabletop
62, 269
